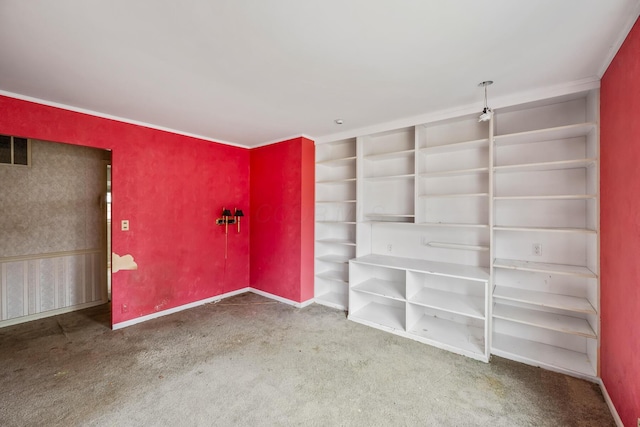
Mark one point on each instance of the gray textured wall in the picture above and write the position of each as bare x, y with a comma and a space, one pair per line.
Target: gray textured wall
54, 205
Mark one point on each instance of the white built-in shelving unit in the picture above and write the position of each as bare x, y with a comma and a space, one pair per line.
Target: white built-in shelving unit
545, 268
478, 238
437, 303
335, 221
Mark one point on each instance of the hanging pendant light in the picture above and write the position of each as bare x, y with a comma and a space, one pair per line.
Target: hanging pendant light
486, 112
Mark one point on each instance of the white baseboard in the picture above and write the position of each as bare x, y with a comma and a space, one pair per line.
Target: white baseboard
141, 319
612, 408
42, 315
281, 299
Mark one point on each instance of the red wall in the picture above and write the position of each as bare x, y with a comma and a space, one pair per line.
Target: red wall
171, 188
620, 229
282, 224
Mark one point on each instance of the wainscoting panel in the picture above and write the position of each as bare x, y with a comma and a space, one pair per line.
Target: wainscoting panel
35, 284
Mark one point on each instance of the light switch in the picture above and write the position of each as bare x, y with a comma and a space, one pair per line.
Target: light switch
124, 225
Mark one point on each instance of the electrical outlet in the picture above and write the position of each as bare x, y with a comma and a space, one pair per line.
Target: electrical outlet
124, 225
124, 308
536, 249
389, 247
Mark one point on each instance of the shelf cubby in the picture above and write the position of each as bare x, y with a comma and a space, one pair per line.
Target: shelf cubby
460, 334
545, 229
458, 246
333, 299
390, 155
384, 288
544, 267
453, 225
547, 166
544, 299
545, 134
381, 313
338, 162
544, 319
455, 172
536, 353
335, 275
465, 305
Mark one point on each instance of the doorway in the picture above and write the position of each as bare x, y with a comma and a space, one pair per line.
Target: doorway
54, 245
108, 237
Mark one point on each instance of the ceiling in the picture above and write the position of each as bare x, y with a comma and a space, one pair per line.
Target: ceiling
248, 72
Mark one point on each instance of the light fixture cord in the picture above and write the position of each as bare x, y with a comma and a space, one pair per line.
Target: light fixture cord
485, 98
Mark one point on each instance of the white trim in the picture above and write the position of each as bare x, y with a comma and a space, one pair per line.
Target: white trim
120, 325
610, 404
37, 257
281, 299
275, 141
576, 86
144, 124
43, 314
116, 118
177, 309
209, 300
624, 32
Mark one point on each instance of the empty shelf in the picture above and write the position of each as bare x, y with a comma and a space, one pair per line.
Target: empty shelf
539, 354
544, 299
546, 166
337, 162
435, 196
549, 197
333, 299
459, 246
334, 275
380, 315
466, 305
337, 181
463, 337
340, 259
542, 267
383, 288
454, 172
430, 267
335, 222
446, 148
545, 229
389, 155
390, 217
548, 134
544, 319
452, 224
337, 241
390, 177
334, 201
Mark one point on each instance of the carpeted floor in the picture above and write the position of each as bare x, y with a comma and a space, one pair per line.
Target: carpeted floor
248, 360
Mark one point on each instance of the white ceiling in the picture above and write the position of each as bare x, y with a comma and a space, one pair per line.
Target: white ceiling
254, 71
